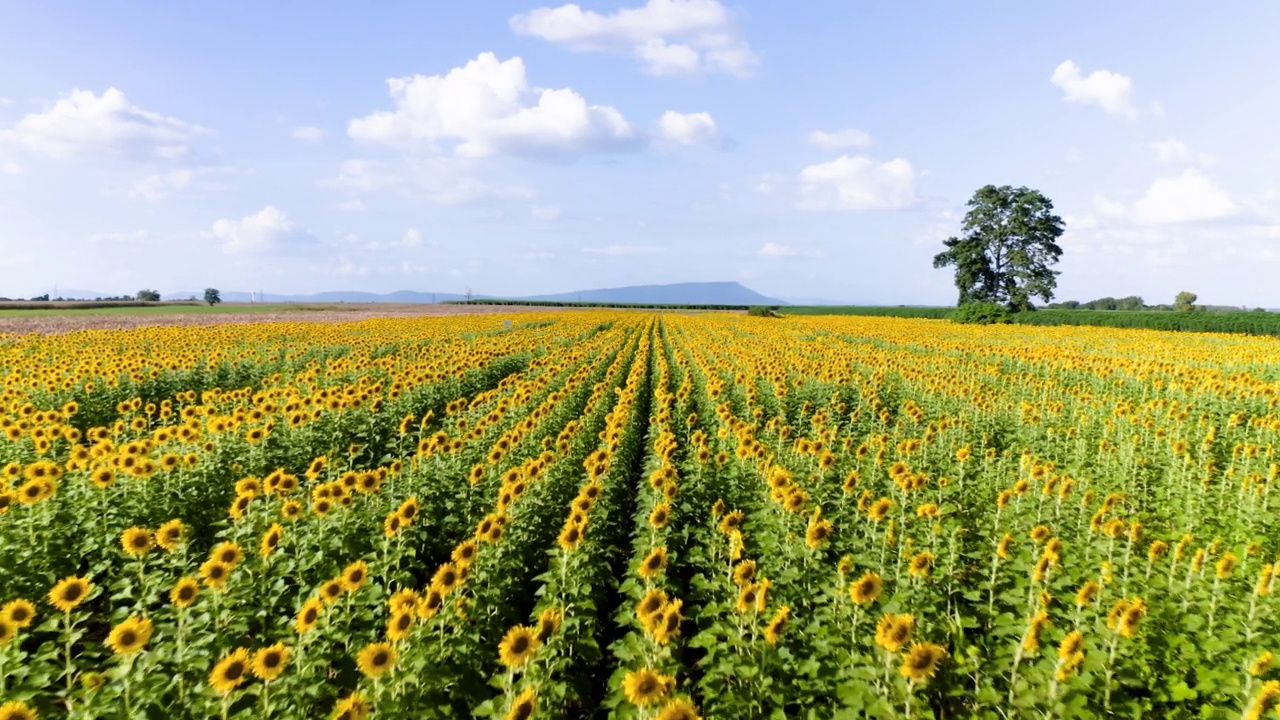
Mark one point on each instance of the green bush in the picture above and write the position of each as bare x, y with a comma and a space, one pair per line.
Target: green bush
761, 311
982, 313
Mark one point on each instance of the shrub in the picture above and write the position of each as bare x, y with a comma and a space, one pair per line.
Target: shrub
982, 313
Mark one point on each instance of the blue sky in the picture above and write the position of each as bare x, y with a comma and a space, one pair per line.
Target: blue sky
809, 150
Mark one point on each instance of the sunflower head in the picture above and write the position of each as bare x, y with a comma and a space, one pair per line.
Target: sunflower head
170, 535
921, 661
894, 631
215, 573
70, 592
866, 589
308, 615
549, 621
18, 613
523, 707
129, 636
377, 659
18, 710
517, 646
679, 709
653, 564
270, 662
184, 592
229, 672
400, 625
647, 687
355, 575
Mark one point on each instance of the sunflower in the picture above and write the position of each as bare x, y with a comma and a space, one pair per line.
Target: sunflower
129, 636
230, 671
465, 552
776, 625
136, 541
1268, 699
1087, 592
517, 646
647, 687
446, 578
748, 594
377, 659
102, 477
354, 576
69, 592
169, 535
400, 625
18, 613
430, 603
667, 625
184, 592
215, 573
7, 632
18, 710
308, 615
1070, 645
1262, 664
653, 564
228, 553
866, 589
352, 707
549, 621
271, 539
921, 564
894, 631
649, 609
269, 662
678, 709
879, 510
524, 705
921, 661
570, 537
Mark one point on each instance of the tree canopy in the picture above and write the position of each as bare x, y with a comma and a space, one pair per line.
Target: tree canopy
1007, 248
212, 296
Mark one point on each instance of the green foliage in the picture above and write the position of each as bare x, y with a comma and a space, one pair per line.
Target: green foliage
1185, 302
762, 311
906, 311
148, 296
982, 313
212, 296
1007, 248
1250, 322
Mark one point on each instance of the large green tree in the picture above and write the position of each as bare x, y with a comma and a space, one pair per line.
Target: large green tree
1007, 248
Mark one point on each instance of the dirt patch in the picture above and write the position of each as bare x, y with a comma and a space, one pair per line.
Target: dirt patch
72, 320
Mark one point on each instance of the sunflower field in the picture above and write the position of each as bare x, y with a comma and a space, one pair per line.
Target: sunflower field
640, 516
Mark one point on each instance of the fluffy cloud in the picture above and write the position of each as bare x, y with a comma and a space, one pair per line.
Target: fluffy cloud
308, 133
488, 108
157, 187
1110, 91
669, 37
840, 140
689, 128
10, 168
440, 180
82, 123
268, 230
857, 183
775, 250
1187, 197
1174, 151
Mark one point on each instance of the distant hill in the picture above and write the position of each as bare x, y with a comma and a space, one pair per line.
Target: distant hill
703, 293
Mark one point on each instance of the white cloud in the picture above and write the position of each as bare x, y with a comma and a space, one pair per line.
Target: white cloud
412, 238
308, 133
127, 238
625, 250
268, 230
775, 250
488, 108
158, 187
549, 213
1174, 151
356, 205
1108, 90
439, 180
689, 128
1187, 197
84, 123
669, 37
840, 140
10, 168
857, 183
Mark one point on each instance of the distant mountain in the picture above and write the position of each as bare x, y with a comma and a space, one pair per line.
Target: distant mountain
703, 293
